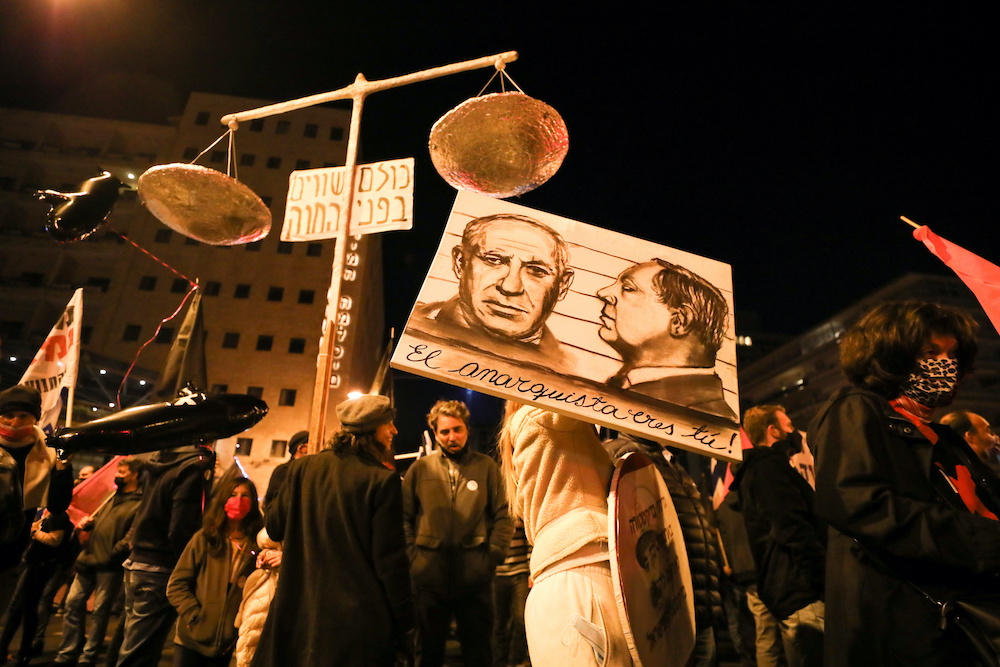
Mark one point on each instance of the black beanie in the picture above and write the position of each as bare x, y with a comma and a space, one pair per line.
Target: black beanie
22, 397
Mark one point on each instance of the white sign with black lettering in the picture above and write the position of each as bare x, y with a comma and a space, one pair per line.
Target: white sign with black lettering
318, 200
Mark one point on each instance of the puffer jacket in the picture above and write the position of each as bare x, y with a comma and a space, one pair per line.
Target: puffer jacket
257, 595
700, 539
206, 597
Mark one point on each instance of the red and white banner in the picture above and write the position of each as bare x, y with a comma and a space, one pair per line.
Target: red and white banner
55, 365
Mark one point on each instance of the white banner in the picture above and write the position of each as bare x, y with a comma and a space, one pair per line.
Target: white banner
318, 200
55, 364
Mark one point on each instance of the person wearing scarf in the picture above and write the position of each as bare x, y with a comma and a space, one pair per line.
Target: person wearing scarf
911, 508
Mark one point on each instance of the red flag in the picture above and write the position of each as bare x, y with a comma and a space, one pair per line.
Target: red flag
90, 494
722, 473
980, 276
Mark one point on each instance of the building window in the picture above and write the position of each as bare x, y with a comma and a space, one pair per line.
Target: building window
297, 345
212, 288
219, 389
314, 250
254, 247
279, 448
132, 332
274, 162
282, 127
85, 333
247, 159
218, 156
190, 153
286, 397
302, 164
310, 131
275, 293
179, 286
307, 296
166, 335
100, 283
256, 392
336, 134
284, 248
147, 283
163, 235
190, 241
243, 446
32, 279
257, 125
230, 340
265, 343
202, 118
242, 291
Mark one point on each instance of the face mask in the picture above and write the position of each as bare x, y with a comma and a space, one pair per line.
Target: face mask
933, 382
120, 482
237, 508
16, 434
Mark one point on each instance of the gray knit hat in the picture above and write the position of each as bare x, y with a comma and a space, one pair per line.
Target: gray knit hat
21, 397
365, 413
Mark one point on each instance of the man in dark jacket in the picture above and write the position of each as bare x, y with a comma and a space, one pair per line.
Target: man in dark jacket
700, 540
99, 567
176, 487
298, 446
787, 539
457, 531
343, 597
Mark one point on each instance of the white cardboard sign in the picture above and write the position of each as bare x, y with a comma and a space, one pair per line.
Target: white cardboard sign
317, 200
559, 314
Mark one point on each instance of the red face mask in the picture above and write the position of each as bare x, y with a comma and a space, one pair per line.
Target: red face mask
16, 434
237, 508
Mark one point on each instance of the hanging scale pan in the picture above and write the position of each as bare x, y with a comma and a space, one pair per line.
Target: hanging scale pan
204, 204
500, 145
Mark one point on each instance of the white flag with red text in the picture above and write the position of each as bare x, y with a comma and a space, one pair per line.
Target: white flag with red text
55, 365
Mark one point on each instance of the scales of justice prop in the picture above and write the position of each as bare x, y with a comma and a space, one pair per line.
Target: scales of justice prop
501, 144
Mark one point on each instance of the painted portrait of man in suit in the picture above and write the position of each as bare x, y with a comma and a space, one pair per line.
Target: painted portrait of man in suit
667, 324
511, 272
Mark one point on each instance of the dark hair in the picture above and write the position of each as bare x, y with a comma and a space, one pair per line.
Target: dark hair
958, 421
675, 286
343, 443
454, 409
134, 464
757, 419
881, 350
213, 524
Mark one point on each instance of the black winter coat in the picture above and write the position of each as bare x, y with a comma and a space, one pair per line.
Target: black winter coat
343, 597
875, 483
700, 538
787, 540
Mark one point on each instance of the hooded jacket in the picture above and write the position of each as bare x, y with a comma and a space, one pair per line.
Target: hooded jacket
787, 539
177, 484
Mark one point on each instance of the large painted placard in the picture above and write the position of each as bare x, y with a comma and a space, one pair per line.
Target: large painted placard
649, 565
584, 321
318, 199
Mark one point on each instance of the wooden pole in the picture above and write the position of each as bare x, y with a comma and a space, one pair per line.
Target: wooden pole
357, 92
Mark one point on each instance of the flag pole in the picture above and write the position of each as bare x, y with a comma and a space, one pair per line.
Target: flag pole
910, 222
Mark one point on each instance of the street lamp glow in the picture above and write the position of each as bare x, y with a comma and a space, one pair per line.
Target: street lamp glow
102, 372
355, 394
12, 358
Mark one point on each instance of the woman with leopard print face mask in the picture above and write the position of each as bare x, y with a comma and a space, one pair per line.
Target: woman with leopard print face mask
909, 503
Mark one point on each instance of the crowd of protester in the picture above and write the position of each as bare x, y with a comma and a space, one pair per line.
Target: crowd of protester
349, 562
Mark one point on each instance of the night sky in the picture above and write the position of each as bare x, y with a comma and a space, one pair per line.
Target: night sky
784, 142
